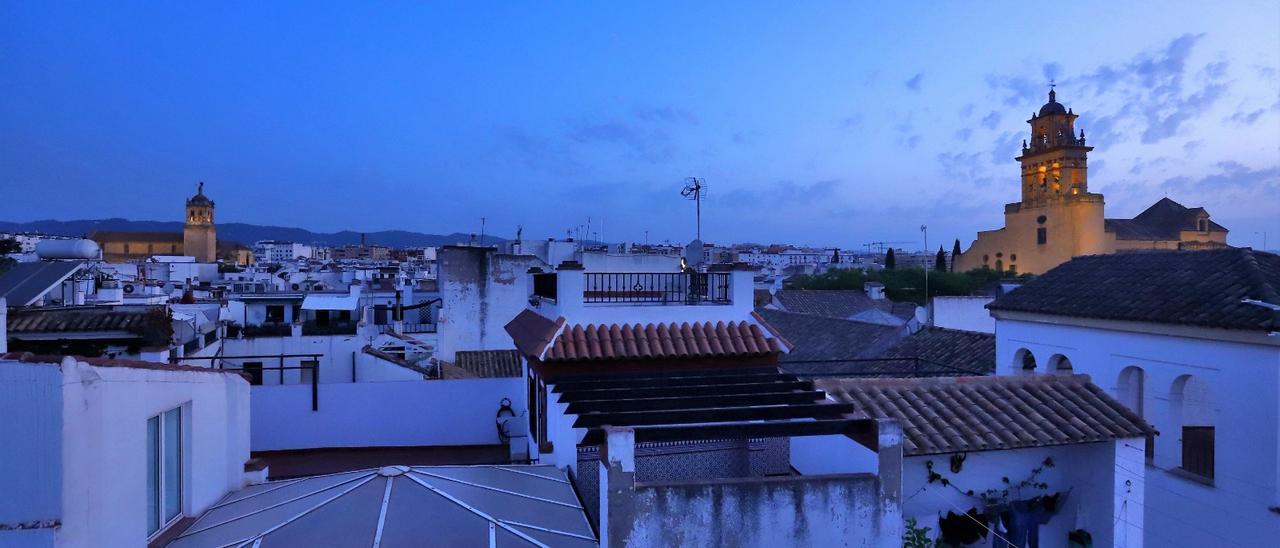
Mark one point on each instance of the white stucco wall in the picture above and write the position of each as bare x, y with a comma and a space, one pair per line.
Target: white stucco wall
336, 362
105, 412
965, 313
382, 414
1243, 380
1092, 473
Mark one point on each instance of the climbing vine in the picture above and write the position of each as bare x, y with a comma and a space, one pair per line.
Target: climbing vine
995, 495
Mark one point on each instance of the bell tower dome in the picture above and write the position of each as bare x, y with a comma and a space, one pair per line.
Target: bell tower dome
1054, 160
199, 236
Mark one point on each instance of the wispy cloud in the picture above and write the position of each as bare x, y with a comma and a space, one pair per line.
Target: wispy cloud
668, 114
1151, 94
644, 143
1246, 118
914, 83
1230, 176
783, 194
990, 121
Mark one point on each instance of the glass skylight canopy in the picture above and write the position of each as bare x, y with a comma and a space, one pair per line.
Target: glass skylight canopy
398, 506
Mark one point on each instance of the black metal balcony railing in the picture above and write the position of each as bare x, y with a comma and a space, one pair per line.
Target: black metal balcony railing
656, 287
329, 328
267, 330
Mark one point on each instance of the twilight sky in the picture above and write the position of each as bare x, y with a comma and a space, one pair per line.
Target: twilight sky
813, 124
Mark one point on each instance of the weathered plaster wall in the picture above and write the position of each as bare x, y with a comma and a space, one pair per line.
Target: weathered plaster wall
481, 291
810, 511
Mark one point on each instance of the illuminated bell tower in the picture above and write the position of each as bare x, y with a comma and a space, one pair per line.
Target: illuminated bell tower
1055, 160
200, 236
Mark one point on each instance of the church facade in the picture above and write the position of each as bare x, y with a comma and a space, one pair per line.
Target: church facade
1058, 218
199, 237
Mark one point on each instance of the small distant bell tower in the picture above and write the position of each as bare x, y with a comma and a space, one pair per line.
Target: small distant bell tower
200, 236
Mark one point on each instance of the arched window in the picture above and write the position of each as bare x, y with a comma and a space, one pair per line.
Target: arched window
1024, 361
1059, 364
1131, 390
1193, 411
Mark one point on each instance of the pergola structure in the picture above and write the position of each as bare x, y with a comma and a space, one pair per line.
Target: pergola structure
711, 404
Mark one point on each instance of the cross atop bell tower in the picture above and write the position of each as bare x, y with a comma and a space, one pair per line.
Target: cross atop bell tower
1054, 160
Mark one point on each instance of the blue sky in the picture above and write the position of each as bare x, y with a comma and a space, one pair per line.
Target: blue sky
832, 124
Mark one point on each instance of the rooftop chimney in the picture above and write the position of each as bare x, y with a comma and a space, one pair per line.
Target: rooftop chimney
875, 290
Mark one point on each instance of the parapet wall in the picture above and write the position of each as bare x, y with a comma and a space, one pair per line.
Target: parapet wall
841, 510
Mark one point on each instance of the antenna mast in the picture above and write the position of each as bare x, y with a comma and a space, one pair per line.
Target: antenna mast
695, 189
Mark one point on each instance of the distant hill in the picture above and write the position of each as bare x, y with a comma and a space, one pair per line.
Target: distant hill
248, 234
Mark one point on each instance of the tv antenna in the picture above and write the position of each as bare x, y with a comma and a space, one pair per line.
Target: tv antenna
695, 189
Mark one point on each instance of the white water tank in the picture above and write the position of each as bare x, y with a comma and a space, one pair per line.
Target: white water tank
68, 249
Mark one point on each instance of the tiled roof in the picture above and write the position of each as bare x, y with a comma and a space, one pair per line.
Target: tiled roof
27, 357
1198, 288
963, 349
838, 303
822, 338
532, 332
957, 414
488, 364
659, 341
153, 326
123, 236
1164, 220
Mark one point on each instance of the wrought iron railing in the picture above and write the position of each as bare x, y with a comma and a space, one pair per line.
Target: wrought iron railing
267, 330
330, 328
656, 287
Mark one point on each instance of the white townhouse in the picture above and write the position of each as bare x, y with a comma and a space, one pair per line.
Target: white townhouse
102, 452
1190, 341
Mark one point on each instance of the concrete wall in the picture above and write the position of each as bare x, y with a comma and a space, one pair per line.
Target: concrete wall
105, 412
964, 313
382, 414
31, 453
834, 510
1242, 403
481, 291
810, 511
629, 262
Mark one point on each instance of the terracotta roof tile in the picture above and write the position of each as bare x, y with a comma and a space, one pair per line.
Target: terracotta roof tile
532, 332
487, 364
956, 414
656, 341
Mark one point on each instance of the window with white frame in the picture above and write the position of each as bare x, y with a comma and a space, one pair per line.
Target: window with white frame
164, 469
